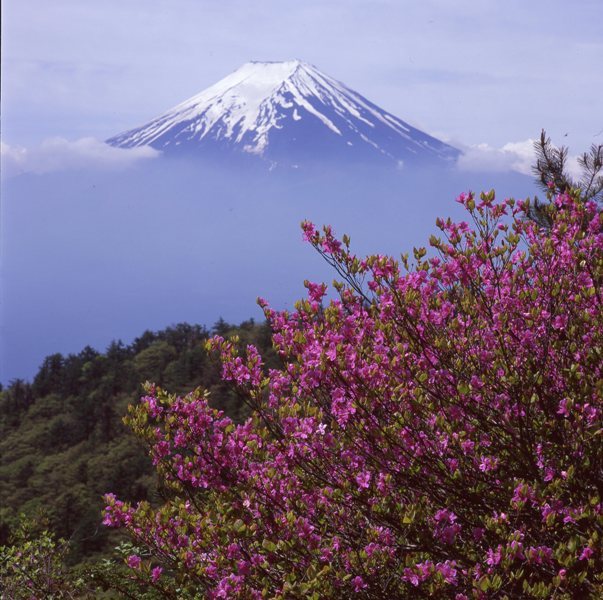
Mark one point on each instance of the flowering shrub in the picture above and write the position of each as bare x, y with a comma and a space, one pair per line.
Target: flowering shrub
436, 431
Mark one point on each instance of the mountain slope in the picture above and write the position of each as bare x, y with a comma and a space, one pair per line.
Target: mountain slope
286, 112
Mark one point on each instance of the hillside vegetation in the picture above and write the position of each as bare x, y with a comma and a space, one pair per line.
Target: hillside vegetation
62, 440
432, 431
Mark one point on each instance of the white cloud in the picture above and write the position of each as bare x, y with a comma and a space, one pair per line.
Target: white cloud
513, 156
58, 154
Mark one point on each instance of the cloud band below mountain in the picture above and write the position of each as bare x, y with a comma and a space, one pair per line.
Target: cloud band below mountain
58, 154
513, 156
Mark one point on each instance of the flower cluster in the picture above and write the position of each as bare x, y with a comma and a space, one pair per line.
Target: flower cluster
434, 432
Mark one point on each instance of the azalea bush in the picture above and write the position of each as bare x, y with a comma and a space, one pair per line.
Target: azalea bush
435, 431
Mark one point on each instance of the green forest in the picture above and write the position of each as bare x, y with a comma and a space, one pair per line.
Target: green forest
62, 441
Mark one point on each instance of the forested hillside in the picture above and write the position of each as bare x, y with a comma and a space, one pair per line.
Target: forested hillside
62, 440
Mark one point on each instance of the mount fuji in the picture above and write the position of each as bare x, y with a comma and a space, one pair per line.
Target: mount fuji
287, 113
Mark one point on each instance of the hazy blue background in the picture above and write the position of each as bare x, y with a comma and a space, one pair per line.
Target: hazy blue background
99, 243
91, 257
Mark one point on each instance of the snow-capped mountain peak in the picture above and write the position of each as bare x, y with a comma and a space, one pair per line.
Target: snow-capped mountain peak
285, 111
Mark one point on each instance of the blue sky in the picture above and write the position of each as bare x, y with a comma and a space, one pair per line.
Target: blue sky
468, 71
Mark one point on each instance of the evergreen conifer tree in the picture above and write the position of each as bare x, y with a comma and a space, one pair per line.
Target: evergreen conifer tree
551, 171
